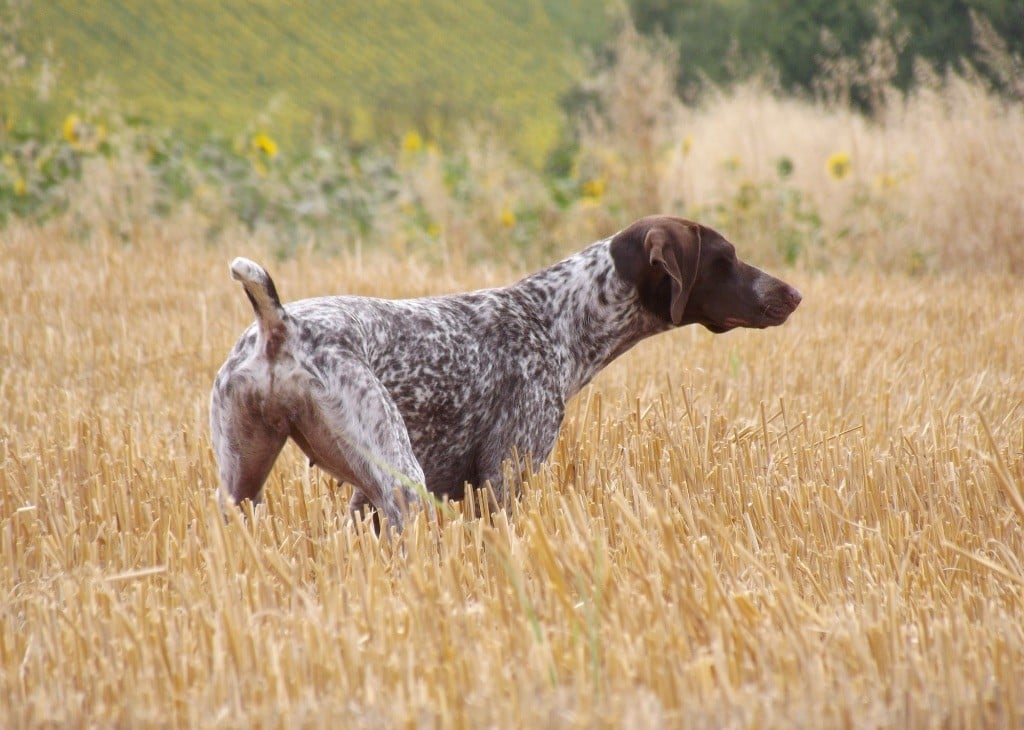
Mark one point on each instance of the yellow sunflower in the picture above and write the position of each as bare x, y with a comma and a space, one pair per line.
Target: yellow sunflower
72, 124
839, 165
594, 188
83, 136
264, 144
412, 141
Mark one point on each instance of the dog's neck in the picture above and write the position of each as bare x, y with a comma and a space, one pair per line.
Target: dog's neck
592, 314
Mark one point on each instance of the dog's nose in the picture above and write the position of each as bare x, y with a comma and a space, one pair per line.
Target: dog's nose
793, 296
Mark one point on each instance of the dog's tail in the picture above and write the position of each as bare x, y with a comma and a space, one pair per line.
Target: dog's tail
262, 293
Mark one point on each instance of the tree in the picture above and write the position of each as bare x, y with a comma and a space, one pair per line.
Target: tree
724, 39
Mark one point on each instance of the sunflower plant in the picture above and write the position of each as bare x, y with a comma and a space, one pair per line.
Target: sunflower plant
773, 211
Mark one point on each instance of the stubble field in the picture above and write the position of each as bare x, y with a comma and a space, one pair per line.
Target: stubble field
818, 524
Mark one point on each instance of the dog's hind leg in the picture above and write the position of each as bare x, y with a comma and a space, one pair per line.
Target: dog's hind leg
354, 431
246, 446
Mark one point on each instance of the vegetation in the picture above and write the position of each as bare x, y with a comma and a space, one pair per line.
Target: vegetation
722, 39
925, 163
819, 524
369, 69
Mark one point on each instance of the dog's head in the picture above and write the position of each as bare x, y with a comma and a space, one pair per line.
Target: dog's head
686, 273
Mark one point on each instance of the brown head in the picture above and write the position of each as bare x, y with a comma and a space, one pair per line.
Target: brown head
686, 273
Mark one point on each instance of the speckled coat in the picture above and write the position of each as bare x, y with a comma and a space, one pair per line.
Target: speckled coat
438, 391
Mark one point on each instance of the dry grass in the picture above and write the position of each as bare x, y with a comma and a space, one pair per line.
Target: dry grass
808, 525
935, 180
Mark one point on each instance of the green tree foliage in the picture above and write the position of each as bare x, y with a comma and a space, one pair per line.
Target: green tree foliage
941, 30
723, 39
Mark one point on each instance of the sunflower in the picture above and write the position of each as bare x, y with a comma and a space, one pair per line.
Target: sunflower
264, 144
72, 124
839, 165
412, 142
594, 188
83, 136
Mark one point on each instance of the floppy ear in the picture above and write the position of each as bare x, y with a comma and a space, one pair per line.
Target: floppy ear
660, 256
676, 249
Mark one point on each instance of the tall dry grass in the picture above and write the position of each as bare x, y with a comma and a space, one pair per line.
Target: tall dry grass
815, 525
935, 180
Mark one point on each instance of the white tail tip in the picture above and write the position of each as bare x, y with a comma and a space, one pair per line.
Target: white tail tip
243, 269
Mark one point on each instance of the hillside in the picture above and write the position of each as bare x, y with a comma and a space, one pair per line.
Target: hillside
380, 67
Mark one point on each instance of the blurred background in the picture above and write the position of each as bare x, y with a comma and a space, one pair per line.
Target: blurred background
820, 133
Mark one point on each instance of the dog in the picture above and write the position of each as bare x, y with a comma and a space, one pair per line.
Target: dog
398, 396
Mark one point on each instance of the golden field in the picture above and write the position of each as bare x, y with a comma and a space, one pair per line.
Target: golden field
813, 525
817, 525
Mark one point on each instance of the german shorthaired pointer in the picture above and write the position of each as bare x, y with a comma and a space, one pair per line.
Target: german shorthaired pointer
389, 395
